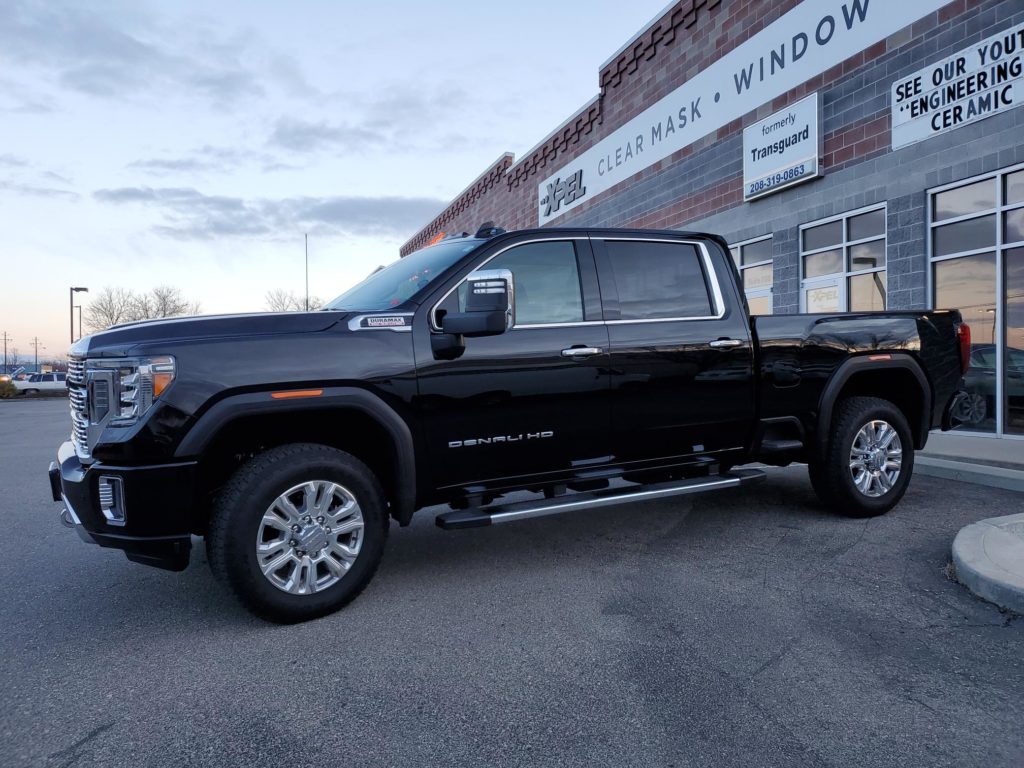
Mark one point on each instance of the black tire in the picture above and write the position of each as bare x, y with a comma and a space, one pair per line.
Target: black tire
832, 478
239, 509
30, 391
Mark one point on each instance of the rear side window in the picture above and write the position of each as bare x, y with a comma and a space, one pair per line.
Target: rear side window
656, 281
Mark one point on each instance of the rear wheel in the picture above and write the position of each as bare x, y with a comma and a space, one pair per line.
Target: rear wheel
298, 531
30, 391
868, 461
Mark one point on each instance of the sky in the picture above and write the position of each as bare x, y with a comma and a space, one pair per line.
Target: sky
192, 144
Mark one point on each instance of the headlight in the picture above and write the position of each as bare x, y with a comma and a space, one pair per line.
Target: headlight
135, 384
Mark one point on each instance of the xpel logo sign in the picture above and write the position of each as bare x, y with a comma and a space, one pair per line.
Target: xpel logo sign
564, 191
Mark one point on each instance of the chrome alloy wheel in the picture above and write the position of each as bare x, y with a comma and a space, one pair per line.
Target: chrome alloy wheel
876, 458
309, 537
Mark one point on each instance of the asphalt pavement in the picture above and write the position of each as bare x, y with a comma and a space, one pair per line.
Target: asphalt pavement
747, 627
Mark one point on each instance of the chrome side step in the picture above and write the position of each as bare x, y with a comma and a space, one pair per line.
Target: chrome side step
507, 513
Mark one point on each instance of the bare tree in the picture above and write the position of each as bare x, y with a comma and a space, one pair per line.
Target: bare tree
280, 300
119, 305
163, 301
13, 359
110, 307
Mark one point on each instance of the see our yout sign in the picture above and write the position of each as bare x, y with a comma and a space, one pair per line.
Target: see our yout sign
980, 81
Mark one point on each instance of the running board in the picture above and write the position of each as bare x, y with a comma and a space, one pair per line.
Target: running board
507, 513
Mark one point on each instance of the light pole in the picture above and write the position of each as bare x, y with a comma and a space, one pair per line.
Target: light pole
79, 308
37, 345
71, 308
306, 238
6, 339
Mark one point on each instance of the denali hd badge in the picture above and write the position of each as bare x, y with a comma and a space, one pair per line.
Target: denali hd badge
499, 439
563, 191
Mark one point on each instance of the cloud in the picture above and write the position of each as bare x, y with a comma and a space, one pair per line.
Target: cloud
396, 117
35, 190
191, 215
304, 136
12, 161
86, 52
205, 159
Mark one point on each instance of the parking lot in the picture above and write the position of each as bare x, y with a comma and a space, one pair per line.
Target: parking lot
736, 629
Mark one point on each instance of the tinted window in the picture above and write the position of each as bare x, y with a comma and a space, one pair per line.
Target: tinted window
48, 377
754, 253
823, 236
392, 285
547, 282
964, 200
658, 280
870, 224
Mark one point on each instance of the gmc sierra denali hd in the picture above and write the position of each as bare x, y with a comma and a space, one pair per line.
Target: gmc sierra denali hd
589, 367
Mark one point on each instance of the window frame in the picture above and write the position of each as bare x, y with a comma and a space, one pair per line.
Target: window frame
755, 293
715, 290
844, 246
432, 314
710, 276
999, 248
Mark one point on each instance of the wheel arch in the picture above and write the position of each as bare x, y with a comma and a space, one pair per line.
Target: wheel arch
896, 377
374, 432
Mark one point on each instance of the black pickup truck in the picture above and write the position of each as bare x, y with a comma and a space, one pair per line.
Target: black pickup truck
586, 367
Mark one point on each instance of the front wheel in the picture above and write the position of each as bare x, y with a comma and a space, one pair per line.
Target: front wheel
298, 531
868, 461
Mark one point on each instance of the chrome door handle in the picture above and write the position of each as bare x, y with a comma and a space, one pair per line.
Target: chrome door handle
725, 343
581, 352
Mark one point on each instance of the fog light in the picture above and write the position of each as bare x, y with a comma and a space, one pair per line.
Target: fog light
112, 499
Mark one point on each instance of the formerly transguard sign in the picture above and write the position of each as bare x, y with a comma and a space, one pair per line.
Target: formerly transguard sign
782, 150
978, 82
811, 38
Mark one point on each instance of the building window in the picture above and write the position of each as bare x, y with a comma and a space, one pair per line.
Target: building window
842, 262
754, 260
976, 251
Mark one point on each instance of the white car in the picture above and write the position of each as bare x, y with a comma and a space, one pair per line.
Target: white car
41, 382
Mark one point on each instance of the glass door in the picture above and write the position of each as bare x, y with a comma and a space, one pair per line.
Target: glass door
823, 296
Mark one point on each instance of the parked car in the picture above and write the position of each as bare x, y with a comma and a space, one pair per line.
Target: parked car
979, 404
591, 367
41, 382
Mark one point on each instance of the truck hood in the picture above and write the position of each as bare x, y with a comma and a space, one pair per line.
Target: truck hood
119, 339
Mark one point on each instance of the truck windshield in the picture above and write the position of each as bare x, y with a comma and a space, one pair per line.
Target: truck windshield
392, 285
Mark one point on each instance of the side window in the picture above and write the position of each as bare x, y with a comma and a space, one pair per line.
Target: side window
658, 280
61, 377
547, 283
48, 377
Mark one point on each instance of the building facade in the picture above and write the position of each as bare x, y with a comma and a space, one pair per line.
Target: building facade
858, 154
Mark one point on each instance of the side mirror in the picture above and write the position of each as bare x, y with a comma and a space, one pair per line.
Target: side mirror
489, 305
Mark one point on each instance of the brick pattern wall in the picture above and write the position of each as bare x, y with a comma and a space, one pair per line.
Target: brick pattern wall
700, 187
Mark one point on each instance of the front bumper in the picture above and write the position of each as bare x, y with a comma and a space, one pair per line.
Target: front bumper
158, 502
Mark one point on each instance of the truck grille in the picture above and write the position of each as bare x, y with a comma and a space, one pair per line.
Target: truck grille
76, 372
78, 396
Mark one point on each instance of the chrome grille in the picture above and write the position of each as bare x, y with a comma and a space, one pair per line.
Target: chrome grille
76, 372
78, 396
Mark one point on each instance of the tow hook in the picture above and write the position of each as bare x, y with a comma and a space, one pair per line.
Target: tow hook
65, 518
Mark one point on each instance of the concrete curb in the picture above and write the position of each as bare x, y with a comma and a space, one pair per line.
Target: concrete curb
989, 560
981, 474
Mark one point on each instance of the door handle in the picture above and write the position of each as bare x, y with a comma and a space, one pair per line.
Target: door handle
725, 343
581, 352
